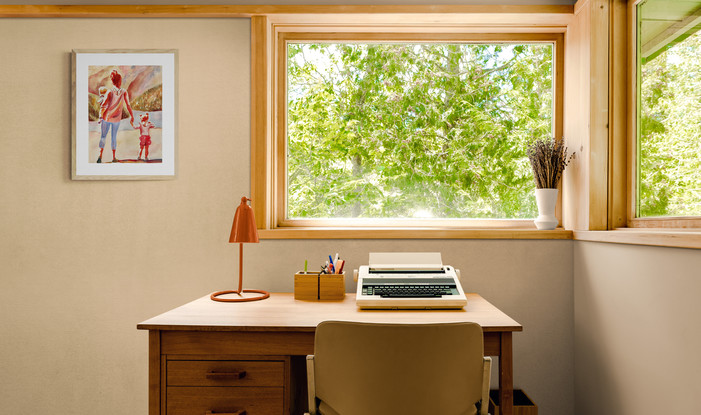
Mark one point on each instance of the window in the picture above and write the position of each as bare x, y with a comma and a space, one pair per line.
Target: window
325, 166
411, 130
669, 111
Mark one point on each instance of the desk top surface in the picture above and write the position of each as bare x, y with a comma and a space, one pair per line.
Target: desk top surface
281, 312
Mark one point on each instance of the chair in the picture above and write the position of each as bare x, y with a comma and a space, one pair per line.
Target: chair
403, 369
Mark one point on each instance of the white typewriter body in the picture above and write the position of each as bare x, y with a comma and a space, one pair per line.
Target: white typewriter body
408, 280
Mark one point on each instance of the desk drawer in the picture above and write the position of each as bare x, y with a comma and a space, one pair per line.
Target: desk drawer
224, 400
225, 373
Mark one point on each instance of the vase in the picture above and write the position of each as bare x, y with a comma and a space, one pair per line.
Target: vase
546, 200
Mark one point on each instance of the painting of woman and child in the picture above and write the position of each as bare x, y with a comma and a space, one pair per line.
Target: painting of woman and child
128, 112
128, 121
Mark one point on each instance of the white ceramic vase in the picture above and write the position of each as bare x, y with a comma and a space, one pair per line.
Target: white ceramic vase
546, 200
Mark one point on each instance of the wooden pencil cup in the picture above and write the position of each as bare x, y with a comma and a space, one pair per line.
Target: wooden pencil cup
332, 287
306, 286
319, 287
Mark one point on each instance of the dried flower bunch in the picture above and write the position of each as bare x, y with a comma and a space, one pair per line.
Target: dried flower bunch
548, 159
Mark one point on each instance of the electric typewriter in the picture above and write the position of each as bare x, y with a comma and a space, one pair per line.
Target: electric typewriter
408, 280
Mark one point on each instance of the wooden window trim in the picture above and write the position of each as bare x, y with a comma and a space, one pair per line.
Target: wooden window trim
547, 13
411, 233
623, 227
268, 182
677, 238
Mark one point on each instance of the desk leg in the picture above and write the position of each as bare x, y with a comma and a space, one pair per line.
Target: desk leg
506, 375
154, 372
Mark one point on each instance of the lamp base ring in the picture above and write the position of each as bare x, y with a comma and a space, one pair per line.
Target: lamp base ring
263, 296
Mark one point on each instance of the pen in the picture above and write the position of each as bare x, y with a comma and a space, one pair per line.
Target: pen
335, 261
305, 266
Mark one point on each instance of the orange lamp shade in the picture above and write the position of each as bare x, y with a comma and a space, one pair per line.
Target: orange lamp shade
244, 228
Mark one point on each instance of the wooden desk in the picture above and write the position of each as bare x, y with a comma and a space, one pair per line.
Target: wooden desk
205, 343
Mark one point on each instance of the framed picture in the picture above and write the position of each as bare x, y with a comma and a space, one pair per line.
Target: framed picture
124, 114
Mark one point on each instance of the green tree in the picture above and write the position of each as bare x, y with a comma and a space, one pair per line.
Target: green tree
407, 130
670, 131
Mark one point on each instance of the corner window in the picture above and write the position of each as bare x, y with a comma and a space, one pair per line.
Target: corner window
669, 109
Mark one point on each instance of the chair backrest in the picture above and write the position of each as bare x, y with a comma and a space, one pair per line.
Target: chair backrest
363, 368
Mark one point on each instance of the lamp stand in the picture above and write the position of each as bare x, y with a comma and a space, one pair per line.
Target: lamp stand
263, 296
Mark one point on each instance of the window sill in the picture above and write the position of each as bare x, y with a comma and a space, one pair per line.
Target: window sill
411, 233
677, 238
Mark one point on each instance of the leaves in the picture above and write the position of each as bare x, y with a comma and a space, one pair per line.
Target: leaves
670, 132
399, 130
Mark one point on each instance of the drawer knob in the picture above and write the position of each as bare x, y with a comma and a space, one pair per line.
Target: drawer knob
242, 412
235, 374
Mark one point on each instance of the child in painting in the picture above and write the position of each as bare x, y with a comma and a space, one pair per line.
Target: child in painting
102, 92
145, 135
111, 113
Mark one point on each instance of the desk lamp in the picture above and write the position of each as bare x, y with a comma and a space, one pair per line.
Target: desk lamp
242, 231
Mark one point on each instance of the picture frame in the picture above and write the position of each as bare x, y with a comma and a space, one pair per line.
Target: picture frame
124, 114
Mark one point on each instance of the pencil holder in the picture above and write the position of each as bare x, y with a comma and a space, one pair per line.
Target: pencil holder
306, 286
315, 287
332, 286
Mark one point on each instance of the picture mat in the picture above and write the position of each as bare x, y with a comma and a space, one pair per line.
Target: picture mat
82, 165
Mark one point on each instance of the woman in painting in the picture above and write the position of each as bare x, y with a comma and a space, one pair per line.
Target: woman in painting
111, 113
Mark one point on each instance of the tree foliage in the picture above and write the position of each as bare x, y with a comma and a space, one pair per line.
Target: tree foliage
670, 131
415, 130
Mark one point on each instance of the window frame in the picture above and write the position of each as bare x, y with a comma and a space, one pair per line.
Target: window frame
271, 185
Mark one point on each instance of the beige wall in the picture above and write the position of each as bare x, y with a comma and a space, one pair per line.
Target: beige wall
637, 336
82, 262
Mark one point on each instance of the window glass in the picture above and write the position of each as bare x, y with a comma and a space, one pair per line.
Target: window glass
669, 117
409, 130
